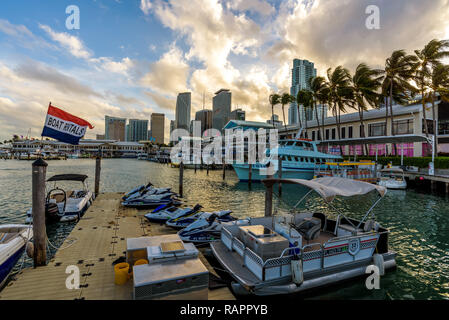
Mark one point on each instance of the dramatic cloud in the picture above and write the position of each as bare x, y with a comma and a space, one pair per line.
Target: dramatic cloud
74, 45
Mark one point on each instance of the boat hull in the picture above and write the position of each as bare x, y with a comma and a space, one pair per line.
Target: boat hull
242, 171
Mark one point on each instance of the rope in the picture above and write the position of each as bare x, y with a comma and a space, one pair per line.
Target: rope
72, 241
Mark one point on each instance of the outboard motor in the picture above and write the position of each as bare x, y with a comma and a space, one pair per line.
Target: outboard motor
51, 213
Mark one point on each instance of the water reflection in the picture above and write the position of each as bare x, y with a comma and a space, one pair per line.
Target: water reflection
419, 223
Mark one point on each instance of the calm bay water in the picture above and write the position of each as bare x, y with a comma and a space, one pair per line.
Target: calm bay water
419, 223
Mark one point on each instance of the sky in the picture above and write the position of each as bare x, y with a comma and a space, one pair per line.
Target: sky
130, 58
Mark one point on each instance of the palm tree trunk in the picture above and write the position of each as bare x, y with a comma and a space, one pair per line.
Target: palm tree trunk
386, 122
338, 129
299, 115
283, 115
317, 120
272, 115
426, 130
365, 151
322, 124
392, 117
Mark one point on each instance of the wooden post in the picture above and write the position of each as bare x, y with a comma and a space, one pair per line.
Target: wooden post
224, 170
280, 175
268, 200
432, 185
207, 169
447, 188
181, 177
97, 175
39, 170
250, 175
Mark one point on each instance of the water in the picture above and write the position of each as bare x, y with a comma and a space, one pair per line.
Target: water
419, 223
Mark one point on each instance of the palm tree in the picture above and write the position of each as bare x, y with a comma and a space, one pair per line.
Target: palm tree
365, 85
399, 69
274, 100
339, 93
304, 98
439, 83
286, 99
318, 87
428, 58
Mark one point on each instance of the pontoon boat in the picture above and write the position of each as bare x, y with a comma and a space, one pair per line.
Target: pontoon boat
297, 252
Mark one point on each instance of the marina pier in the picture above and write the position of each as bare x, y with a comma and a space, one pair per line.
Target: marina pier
97, 240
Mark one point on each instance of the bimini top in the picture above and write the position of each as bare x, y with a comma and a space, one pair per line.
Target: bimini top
68, 177
330, 187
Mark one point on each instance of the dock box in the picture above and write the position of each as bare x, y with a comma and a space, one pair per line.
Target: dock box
264, 242
136, 248
183, 279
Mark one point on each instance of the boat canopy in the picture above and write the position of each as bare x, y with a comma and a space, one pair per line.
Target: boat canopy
68, 177
330, 187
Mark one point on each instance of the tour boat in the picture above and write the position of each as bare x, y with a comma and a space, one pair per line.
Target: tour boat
393, 178
299, 160
13, 241
296, 252
64, 205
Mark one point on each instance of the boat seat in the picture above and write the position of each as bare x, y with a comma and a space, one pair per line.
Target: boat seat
350, 228
310, 228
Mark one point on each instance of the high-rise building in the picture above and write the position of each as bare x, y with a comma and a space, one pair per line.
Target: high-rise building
275, 119
237, 114
182, 116
115, 128
302, 71
158, 127
137, 130
172, 126
205, 116
221, 107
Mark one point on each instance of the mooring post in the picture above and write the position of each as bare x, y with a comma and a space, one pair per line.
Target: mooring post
39, 170
268, 200
207, 169
97, 174
447, 188
432, 185
224, 170
181, 177
280, 175
250, 175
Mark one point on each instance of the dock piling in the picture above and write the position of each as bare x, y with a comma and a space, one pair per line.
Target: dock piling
181, 177
269, 200
39, 170
280, 175
224, 170
97, 175
250, 175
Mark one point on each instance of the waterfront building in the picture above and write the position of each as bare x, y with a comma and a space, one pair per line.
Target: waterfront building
183, 105
408, 125
158, 127
115, 128
302, 71
137, 130
107, 147
275, 120
221, 108
237, 114
205, 117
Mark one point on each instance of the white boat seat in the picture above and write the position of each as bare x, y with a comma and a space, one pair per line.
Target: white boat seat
350, 228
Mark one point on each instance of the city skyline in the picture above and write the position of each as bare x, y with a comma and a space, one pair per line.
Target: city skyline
123, 70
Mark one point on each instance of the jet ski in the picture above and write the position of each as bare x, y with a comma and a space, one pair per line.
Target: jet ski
166, 212
185, 220
143, 190
207, 229
151, 201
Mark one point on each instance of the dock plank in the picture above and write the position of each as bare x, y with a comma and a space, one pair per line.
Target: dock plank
95, 242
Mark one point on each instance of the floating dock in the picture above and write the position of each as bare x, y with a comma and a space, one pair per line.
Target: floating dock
97, 240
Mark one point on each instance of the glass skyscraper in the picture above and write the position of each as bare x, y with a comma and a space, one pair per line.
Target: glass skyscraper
302, 71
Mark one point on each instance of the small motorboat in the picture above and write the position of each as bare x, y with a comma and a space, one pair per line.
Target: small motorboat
207, 229
65, 205
13, 240
152, 201
185, 220
167, 212
393, 178
300, 251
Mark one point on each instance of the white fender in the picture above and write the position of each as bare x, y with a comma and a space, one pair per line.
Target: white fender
379, 262
297, 274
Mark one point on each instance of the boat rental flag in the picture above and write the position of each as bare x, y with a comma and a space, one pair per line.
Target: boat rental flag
63, 126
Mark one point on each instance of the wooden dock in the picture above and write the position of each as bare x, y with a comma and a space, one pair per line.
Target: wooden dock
436, 181
96, 241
